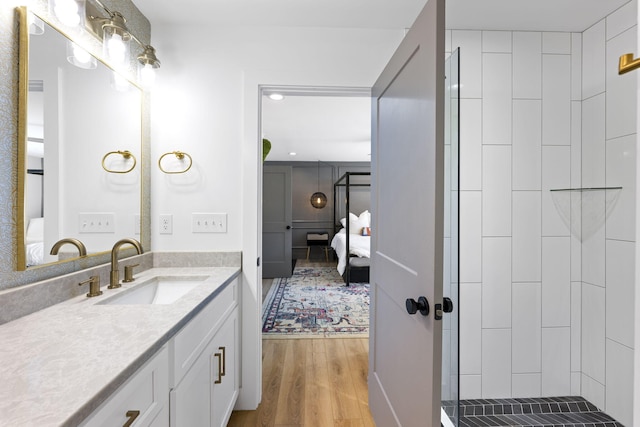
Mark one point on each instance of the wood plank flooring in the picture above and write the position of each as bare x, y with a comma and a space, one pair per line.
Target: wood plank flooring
311, 383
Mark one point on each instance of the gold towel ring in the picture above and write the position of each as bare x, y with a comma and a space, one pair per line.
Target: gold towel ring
180, 156
126, 154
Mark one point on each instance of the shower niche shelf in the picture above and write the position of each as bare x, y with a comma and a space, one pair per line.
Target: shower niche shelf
585, 209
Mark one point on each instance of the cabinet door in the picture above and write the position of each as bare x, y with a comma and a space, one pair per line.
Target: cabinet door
226, 384
141, 401
208, 391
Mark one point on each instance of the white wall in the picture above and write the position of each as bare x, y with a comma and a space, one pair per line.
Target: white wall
207, 103
543, 313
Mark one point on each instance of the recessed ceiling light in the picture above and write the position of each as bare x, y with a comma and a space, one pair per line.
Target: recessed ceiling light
276, 96
292, 153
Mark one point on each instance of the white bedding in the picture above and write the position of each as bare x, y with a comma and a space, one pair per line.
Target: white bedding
359, 246
35, 253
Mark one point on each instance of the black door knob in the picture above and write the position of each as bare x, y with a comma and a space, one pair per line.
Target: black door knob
421, 305
447, 305
288, 227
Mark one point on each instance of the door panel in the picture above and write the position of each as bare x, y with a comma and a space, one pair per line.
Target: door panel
407, 207
276, 222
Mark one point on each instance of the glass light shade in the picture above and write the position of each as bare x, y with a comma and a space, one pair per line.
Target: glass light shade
116, 47
80, 57
318, 200
119, 83
69, 12
147, 76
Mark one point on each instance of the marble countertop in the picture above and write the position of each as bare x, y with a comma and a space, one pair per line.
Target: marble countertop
59, 364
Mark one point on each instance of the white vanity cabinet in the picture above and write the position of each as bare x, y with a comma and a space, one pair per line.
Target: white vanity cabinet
205, 380
141, 401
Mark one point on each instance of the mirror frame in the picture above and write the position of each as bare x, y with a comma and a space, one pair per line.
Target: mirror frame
22, 13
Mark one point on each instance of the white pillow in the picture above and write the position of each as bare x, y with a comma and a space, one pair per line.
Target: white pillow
357, 223
365, 217
35, 230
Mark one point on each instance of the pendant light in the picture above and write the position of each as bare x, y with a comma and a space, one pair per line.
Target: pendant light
318, 199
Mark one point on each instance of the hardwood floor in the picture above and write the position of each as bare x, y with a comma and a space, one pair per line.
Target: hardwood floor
311, 383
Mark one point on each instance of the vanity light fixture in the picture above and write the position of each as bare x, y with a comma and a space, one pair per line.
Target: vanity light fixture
36, 25
116, 38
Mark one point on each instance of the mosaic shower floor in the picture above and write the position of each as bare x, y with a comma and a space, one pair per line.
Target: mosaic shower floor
569, 411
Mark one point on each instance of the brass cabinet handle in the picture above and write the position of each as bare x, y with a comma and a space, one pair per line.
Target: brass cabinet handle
132, 415
224, 360
219, 356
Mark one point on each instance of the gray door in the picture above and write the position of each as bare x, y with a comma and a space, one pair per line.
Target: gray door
407, 231
276, 222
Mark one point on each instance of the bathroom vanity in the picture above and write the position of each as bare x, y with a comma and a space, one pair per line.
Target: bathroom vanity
119, 359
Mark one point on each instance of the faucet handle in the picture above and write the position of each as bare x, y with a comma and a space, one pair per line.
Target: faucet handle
128, 273
94, 286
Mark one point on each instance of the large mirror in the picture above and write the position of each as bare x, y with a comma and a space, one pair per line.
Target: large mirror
80, 159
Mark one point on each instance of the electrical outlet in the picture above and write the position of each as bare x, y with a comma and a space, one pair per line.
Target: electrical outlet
166, 224
209, 223
96, 222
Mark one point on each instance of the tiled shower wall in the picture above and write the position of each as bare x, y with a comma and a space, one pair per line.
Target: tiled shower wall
542, 313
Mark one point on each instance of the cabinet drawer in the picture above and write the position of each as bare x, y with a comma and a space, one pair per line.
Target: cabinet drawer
143, 397
186, 345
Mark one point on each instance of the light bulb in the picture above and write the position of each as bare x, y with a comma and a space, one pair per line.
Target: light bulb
147, 76
116, 49
67, 12
81, 55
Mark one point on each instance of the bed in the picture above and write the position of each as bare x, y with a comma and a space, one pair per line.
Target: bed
35, 242
354, 234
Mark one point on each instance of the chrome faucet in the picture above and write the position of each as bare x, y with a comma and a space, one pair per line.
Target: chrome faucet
75, 242
114, 277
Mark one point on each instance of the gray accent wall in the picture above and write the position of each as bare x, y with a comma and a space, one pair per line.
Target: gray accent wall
309, 177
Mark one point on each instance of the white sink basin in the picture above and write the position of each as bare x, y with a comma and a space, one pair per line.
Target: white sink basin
158, 290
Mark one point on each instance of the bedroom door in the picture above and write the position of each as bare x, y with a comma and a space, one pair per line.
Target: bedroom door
405, 347
276, 222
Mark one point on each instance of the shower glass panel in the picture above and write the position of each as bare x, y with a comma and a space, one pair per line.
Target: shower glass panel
450, 336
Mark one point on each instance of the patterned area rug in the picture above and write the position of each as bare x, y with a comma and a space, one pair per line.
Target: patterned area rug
315, 303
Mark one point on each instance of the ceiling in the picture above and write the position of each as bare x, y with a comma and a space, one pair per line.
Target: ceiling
314, 126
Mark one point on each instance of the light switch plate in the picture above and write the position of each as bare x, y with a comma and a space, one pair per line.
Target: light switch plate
209, 223
96, 222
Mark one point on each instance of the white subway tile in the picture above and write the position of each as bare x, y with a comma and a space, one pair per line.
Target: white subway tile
527, 65
496, 190
621, 172
556, 174
556, 281
576, 386
621, 89
593, 142
553, 42
576, 144
527, 144
622, 19
593, 391
619, 390
471, 236
471, 144
470, 386
496, 363
576, 325
526, 385
527, 240
496, 98
496, 282
620, 291
593, 246
470, 329
469, 42
593, 333
576, 66
593, 60
526, 328
556, 100
496, 41
556, 361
